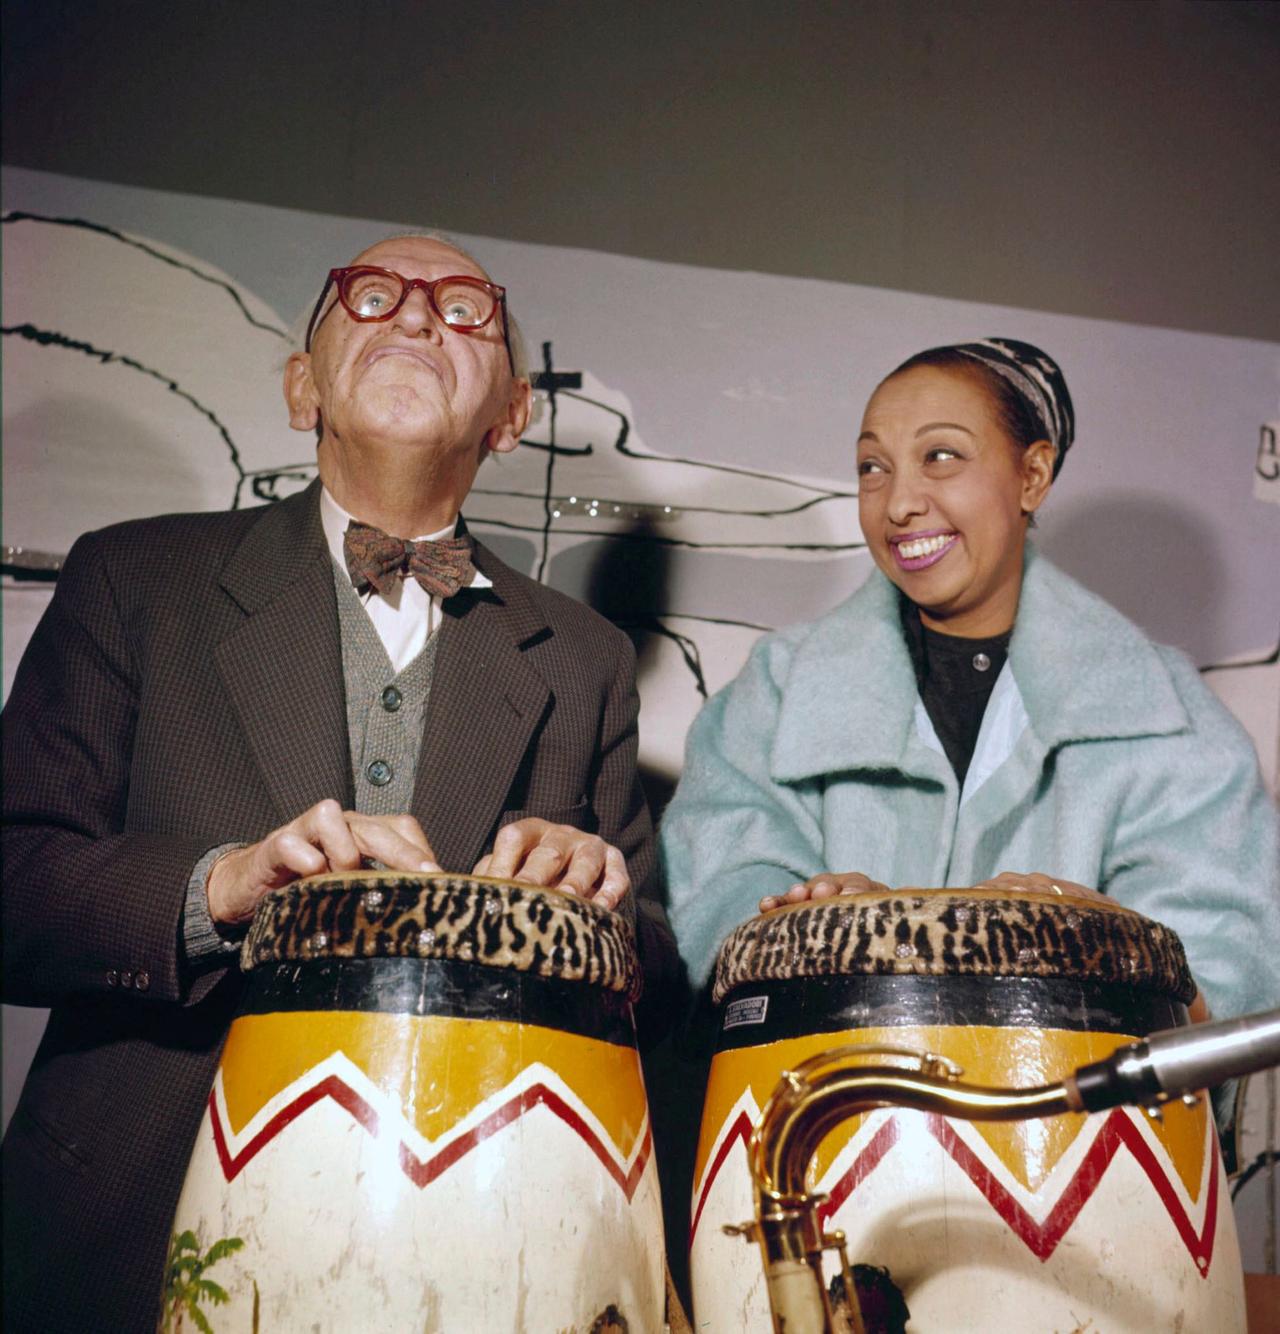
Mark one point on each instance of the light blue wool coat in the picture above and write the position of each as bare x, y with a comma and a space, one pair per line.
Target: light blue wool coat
1102, 759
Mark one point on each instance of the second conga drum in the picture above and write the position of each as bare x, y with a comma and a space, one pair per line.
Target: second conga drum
429, 1116
1115, 1222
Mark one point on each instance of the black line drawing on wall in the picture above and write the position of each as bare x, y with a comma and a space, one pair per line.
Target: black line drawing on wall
139, 379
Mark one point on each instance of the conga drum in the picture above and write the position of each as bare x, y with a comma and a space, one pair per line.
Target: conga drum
429, 1115
1117, 1221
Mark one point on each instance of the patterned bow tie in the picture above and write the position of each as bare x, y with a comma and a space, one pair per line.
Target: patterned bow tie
377, 560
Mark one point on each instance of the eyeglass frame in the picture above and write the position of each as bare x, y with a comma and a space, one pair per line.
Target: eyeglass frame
428, 285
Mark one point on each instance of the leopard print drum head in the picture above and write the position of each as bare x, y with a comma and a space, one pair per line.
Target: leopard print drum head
470, 919
956, 933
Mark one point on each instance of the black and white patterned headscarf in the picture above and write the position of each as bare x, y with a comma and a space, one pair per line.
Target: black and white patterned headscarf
1039, 382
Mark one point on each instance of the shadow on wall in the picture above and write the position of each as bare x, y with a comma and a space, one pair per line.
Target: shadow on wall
1156, 562
629, 583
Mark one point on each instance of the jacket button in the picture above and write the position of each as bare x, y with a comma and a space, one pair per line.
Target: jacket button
391, 699
113, 978
126, 978
379, 773
141, 980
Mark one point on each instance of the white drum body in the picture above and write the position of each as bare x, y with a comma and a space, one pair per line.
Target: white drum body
1110, 1222
424, 1144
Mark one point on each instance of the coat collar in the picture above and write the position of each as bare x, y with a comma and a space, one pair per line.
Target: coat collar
1084, 672
281, 548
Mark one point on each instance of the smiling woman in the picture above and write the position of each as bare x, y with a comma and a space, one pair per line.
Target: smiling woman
972, 714
945, 492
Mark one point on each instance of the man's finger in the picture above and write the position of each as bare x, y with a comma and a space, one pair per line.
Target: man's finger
586, 866
544, 864
411, 831
616, 882
325, 825
289, 852
376, 838
512, 845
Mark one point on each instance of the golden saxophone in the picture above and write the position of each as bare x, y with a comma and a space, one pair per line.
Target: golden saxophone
811, 1100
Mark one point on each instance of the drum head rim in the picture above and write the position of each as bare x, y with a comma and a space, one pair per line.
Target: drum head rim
429, 877
1028, 895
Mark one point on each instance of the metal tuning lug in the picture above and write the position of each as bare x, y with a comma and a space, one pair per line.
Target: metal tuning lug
940, 1067
1153, 1112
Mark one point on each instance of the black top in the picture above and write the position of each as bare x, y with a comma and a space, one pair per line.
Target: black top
955, 677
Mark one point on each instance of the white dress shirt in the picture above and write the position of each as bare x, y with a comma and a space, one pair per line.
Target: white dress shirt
405, 617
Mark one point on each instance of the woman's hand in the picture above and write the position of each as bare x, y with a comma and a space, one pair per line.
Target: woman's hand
824, 885
1197, 1011
1043, 884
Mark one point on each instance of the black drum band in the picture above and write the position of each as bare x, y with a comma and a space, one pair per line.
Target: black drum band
775, 1010
445, 987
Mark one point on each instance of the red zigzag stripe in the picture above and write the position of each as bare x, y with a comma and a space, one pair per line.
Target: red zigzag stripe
1040, 1238
423, 1171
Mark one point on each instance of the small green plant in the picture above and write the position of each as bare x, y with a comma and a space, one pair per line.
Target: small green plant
185, 1284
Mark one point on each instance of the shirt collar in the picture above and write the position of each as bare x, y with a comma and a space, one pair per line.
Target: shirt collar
335, 519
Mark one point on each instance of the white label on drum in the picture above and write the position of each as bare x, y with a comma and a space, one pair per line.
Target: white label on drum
749, 1010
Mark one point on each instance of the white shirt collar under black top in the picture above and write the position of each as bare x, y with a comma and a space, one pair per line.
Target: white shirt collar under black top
405, 617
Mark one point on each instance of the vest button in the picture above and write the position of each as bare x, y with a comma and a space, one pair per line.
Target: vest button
981, 663
391, 699
379, 773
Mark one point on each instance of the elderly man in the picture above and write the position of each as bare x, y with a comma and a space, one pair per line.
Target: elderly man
216, 704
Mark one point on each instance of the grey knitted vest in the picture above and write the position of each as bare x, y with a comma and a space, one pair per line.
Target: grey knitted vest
386, 709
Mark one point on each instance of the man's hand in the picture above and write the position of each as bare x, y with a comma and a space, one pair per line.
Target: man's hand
824, 885
560, 857
324, 838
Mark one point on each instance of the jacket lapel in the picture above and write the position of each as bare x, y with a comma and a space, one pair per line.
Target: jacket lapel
282, 667
848, 702
1116, 687
485, 704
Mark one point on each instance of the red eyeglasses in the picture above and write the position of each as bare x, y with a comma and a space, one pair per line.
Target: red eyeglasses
370, 295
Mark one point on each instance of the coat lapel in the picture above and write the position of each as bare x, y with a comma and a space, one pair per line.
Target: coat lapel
485, 704
848, 702
1118, 688
282, 667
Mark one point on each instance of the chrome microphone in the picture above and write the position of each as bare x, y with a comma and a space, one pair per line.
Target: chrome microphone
1176, 1062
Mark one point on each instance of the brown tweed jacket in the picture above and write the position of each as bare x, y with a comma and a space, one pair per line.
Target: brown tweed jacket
185, 690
